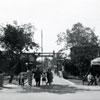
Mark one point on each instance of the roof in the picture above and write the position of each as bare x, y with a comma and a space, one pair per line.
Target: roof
95, 61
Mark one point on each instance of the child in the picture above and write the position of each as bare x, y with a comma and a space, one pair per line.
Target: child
44, 76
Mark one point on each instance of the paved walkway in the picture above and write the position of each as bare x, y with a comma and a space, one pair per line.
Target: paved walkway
60, 89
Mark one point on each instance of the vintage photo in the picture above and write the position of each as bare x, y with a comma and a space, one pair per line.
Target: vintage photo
49, 50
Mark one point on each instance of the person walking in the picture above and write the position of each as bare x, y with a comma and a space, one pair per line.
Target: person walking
44, 77
89, 79
29, 76
49, 77
21, 78
37, 76
1, 78
99, 80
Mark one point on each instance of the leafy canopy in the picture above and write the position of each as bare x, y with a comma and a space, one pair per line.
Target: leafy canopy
15, 37
78, 36
83, 44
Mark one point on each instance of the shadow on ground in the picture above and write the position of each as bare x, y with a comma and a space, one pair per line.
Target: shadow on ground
5, 87
58, 89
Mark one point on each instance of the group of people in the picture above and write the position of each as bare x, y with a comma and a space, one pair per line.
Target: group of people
46, 76
93, 79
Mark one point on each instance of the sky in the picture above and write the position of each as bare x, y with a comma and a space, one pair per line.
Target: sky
51, 16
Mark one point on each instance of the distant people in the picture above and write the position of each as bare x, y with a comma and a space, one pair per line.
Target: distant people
11, 76
90, 79
29, 76
99, 80
1, 78
21, 78
44, 77
37, 76
49, 77
95, 80
84, 80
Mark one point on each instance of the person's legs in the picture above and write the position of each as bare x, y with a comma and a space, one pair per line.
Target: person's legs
19, 81
36, 84
43, 81
30, 82
47, 81
38, 81
11, 78
22, 82
89, 82
92, 82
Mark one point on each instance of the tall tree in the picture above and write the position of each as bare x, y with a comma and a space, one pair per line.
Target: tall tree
78, 36
82, 41
16, 38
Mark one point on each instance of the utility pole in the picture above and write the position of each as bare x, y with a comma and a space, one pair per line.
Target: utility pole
41, 41
42, 46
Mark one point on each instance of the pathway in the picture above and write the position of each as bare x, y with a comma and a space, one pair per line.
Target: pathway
61, 89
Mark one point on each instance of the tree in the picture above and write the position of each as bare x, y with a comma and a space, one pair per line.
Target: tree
78, 36
83, 43
15, 39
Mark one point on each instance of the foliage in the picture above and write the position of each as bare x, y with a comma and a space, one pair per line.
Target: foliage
78, 36
83, 43
81, 56
3, 62
70, 68
15, 38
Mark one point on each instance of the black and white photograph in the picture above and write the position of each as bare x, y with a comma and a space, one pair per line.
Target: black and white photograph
49, 49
